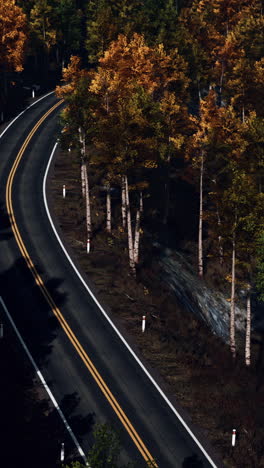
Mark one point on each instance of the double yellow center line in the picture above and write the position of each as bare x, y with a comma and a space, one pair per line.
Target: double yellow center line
83, 355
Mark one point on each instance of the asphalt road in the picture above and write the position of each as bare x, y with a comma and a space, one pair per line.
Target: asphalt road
68, 377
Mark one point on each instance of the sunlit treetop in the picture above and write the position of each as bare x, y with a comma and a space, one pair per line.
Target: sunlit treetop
12, 36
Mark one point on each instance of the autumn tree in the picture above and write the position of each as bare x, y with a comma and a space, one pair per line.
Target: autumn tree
134, 80
212, 38
12, 36
78, 123
201, 153
226, 155
244, 80
239, 203
12, 45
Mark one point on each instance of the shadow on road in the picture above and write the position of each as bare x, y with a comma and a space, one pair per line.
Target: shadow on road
31, 428
6, 231
192, 462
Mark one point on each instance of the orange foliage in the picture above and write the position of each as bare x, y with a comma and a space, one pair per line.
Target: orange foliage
12, 36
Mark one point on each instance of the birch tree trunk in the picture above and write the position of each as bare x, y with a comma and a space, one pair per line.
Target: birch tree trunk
137, 229
129, 231
220, 245
232, 304
248, 331
83, 177
83, 151
200, 234
199, 90
243, 114
88, 209
123, 206
108, 210
221, 250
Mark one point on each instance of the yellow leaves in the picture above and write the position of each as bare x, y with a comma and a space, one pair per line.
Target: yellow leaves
12, 35
150, 164
73, 76
169, 104
229, 279
202, 6
177, 141
259, 71
118, 159
130, 63
73, 72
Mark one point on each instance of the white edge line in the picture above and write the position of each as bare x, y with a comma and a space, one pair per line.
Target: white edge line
45, 385
17, 332
21, 113
110, 321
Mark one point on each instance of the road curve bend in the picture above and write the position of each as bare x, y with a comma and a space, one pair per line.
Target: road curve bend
78, 350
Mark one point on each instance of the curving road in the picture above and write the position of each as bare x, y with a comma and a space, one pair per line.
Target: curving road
80, 355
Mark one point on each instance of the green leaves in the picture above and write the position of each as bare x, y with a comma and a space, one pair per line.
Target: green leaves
105, 451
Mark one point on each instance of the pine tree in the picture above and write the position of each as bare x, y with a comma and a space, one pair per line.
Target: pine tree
67, 22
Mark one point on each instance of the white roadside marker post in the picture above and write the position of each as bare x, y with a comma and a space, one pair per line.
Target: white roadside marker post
64, 191
88, 245
33, 93
1, 330
143, 323
62, 452
234, 437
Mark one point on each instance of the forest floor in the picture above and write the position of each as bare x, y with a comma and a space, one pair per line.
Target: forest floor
191, 363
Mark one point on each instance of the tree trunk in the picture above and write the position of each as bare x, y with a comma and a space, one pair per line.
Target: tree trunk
88, 209
248, 331
83, 151
82, 142
57, 55
232, 304
221, 250
83, 177
123, 194
221, 82
199, 91
243, 108
108, 210
129, 232
243, 113
137, 229
200, 235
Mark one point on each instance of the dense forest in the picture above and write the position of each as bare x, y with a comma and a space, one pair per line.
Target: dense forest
157, 93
